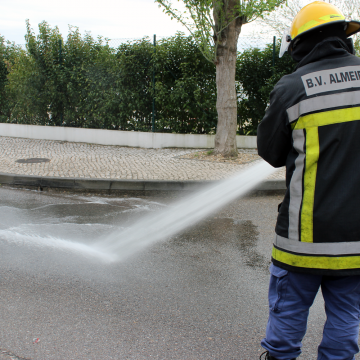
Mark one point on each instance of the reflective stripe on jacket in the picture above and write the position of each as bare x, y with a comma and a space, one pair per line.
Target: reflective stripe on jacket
313, 127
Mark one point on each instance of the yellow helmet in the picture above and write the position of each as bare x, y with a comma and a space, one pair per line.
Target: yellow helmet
313, 16
316, 14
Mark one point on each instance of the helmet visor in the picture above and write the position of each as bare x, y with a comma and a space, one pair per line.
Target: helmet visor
285, 42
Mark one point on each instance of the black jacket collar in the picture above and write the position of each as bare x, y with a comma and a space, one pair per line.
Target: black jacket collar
330, 47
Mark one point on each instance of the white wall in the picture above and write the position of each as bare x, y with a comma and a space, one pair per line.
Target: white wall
121, 138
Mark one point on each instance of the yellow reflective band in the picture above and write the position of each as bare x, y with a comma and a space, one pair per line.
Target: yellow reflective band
317, 262
307, 209
332, 17
311, 123
307, 26
328, 118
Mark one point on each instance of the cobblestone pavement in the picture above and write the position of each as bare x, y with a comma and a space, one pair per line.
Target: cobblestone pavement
80, 160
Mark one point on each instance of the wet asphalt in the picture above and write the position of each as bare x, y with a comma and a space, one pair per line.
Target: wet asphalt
201, 294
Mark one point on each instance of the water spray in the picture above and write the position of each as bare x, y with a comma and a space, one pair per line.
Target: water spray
157, 226
163, 224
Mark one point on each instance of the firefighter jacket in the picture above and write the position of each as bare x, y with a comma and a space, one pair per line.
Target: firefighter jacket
312, 126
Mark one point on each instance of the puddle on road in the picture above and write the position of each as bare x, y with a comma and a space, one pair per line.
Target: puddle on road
217, 233
81, 218
247, 240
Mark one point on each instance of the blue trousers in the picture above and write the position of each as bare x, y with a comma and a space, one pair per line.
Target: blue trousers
290, 297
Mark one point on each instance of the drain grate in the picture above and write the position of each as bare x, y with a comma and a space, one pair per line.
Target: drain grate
32, 161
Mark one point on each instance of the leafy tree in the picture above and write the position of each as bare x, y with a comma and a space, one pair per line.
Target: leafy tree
215, 25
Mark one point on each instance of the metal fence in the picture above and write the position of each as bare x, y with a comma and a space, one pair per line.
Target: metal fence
245, 41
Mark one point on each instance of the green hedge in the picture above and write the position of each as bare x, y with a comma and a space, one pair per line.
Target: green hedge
82, 82
256, 77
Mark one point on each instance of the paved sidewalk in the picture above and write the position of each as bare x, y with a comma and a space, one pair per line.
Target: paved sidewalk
89, 162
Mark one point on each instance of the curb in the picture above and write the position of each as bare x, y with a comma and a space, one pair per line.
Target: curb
115, 184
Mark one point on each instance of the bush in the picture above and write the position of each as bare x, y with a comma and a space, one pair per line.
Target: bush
82, 82
256, 77
3, 77
9, 55
185, 88
85, 83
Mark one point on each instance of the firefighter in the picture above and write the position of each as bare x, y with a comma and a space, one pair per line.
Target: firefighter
312, 126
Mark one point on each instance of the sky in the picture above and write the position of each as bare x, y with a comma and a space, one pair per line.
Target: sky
111, 19
118, 19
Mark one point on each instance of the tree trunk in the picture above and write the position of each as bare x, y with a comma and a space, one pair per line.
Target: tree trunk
226, 104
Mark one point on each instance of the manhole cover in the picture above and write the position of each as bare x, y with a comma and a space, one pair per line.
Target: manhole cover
32, 160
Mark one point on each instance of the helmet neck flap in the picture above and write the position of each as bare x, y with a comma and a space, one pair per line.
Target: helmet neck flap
303, 45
